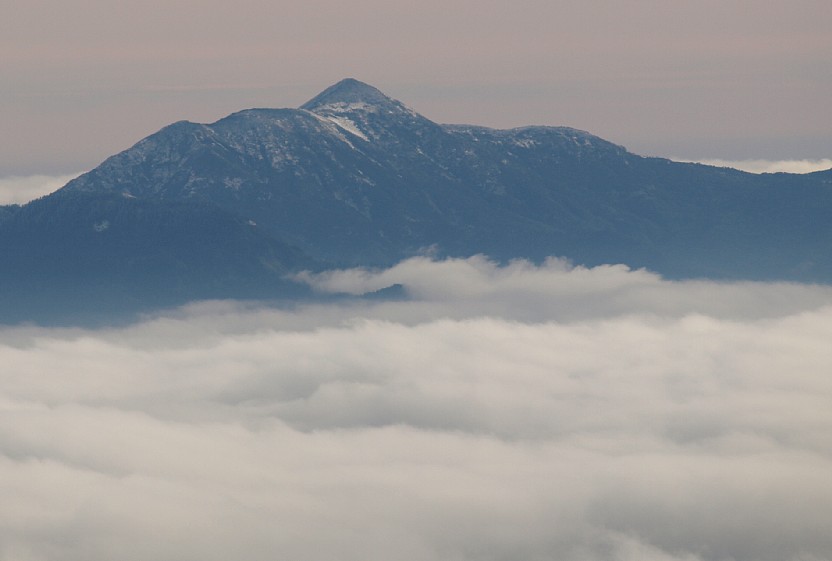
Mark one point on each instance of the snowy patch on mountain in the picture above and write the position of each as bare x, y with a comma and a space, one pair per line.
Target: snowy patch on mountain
233, 183
524, 142
348, 126
344, 107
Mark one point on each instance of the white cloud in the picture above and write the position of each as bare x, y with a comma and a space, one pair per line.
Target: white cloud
22, 189
549, 413
769, 166
523, 291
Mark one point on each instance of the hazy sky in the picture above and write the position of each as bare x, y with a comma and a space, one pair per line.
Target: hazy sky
505, 413
83, 79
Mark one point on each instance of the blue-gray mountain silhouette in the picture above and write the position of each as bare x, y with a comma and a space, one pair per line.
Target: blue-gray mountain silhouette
354, 177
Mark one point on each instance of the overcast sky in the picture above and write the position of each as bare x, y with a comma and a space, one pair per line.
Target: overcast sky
83, 79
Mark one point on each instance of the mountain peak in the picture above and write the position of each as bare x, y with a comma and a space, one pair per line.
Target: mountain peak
348, 91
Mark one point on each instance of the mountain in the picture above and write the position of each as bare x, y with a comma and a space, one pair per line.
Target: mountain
354, 177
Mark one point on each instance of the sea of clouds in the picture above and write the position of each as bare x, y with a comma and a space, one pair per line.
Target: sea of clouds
16, 189
769, 166
496, 412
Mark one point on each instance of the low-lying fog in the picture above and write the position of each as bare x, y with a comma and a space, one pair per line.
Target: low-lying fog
519, 412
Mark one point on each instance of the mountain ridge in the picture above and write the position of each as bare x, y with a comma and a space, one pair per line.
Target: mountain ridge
355, 178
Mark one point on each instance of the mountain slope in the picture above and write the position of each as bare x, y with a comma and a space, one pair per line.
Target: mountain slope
102, 257
354, 177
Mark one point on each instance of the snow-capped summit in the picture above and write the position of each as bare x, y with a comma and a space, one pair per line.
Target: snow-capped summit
366, 112
349, 93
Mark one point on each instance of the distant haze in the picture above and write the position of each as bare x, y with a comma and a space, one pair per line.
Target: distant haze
740, 80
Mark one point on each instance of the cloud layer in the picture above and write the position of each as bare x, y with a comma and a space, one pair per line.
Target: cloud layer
771, 166
502, 412
22, 189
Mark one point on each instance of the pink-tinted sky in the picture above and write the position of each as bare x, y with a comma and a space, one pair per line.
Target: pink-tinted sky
83, 79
